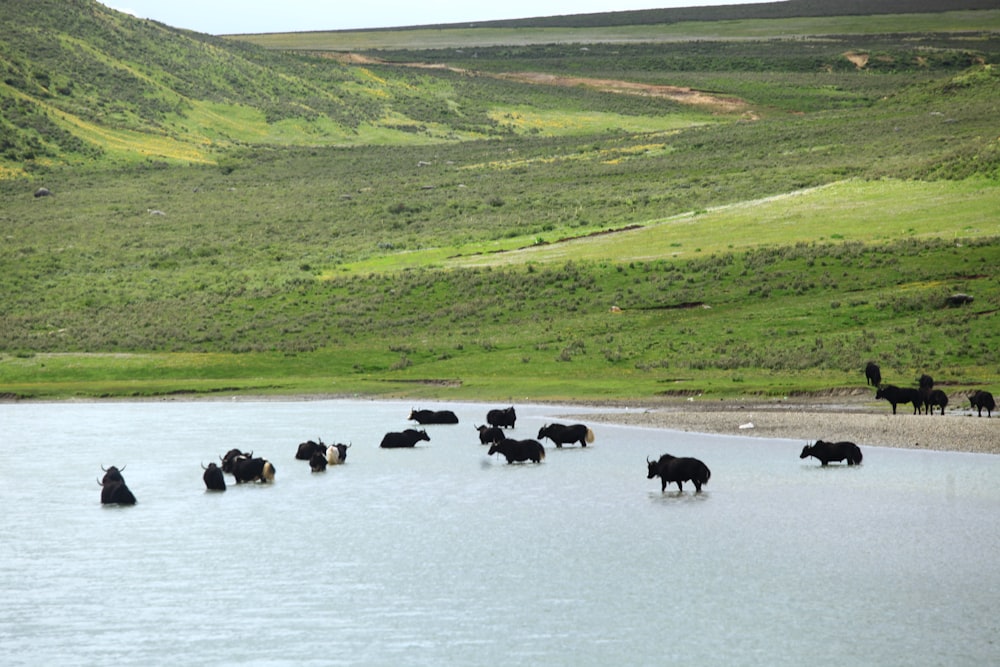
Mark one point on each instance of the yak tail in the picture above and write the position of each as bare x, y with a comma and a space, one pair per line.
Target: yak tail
268, 472
541, 453
708, 473
590, 436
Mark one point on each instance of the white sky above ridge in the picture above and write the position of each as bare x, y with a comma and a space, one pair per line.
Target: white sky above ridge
220, 17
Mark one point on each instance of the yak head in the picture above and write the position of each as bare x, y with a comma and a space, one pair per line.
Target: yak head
808, 449
652, 468
495, 447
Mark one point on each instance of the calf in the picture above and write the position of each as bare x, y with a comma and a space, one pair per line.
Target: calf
671, 469
896, 395
833, 451
519, 450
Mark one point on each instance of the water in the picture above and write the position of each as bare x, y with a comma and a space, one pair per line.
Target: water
442, 555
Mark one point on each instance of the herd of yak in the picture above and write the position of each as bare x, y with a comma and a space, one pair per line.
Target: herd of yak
924, 396
245, 467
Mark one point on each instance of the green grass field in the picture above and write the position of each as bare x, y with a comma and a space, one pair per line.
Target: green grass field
231, 219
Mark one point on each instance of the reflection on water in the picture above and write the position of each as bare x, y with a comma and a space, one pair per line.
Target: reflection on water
442, 555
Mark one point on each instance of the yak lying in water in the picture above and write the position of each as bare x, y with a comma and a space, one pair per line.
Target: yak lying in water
407, 438
833, 451
434, 416
671, 469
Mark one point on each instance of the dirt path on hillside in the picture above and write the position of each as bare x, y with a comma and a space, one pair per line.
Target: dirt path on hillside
715, 103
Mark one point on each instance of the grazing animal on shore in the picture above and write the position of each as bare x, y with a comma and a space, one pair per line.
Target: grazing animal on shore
926, 386
560, 434
671, 469
983, 399
407, 438
519, 450
308, 448
936, 399
490, 434
213, 477
896, 395
113, 488
504, 418
873, 374
433, 416
833, 451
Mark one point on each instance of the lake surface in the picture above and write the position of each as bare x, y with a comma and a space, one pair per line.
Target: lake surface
442, 555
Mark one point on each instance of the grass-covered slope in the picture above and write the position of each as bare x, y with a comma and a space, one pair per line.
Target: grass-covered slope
381, 227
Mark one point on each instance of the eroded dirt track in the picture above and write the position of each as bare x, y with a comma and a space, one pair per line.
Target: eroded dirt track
715, 103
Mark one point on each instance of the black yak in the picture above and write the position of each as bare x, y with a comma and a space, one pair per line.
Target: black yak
560, 434
983, 399
671, 469
433, 416
407, 438
213, 477
113, 488
519, 450
246, 469
873, 374
504, 418
833, 451
935, 399
896, 395
490, 434
308, 448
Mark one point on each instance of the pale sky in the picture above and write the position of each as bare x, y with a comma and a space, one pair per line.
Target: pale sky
220, 17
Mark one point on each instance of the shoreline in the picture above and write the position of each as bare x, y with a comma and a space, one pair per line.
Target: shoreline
848, 416
808, 420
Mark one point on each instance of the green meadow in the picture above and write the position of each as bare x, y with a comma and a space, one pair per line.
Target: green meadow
531, 218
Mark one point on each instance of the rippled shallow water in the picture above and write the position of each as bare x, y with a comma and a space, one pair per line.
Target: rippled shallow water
443, 555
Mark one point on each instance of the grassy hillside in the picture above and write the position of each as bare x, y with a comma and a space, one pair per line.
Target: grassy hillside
228, 218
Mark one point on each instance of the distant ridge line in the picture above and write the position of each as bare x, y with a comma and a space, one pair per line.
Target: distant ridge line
765, 10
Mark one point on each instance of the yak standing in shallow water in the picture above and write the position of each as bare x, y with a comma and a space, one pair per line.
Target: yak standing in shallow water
504, 418
213, 477
833, 451
519, 450
113, 488
490, 434
560, 434
671, 469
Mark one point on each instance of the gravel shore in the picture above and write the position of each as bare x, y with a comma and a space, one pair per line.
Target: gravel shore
852, 418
